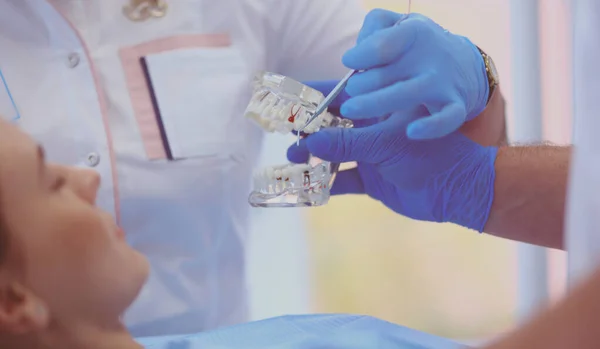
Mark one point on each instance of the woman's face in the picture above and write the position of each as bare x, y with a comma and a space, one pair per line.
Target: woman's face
64, 253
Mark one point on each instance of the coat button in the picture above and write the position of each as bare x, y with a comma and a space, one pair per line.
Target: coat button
73, 60
93, 159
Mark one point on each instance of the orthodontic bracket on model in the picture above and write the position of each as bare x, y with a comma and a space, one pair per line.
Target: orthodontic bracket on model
281, 104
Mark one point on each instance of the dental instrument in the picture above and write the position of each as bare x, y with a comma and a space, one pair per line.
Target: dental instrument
339, 87
330, 97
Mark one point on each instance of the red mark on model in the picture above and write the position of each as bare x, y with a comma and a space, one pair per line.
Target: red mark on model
293, 115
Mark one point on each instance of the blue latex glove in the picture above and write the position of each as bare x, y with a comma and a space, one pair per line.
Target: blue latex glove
414, 64
449, 179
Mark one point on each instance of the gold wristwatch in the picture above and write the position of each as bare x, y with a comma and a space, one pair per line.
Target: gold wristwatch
492, 73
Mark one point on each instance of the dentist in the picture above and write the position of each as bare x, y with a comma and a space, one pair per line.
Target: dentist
150, 94
421, 88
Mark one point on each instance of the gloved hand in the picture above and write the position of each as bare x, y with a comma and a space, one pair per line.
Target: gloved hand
420, 85
449, 179
412, 65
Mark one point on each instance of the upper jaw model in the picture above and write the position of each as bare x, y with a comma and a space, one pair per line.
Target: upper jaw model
281, 104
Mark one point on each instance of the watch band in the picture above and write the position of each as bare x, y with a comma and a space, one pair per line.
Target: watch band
490, 70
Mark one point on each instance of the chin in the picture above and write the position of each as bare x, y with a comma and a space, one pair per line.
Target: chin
137, 277
124, 276
143, 270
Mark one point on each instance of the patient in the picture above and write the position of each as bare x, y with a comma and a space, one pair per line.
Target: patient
67, 274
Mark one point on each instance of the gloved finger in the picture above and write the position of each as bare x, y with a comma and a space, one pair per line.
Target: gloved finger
325, 86
298, 153
376, 20
382, 47
449, 119
348, 182
404, 117
356, 124
402, 95
339, 145
377, 78
360, 123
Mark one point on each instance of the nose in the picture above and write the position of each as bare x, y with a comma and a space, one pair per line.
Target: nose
86, 184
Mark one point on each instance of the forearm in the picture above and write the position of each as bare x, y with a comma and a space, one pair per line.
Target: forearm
529, 194
489, 127
571, 324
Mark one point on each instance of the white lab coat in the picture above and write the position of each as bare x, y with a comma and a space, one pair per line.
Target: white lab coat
74, 72
583, 210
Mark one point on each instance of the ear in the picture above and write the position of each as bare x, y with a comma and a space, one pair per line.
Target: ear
21, 311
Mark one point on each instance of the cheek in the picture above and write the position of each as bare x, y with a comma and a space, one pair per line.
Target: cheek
78, 267
82, 237
66, 248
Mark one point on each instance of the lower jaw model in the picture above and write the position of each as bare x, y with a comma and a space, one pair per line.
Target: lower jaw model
281, 104
293, 185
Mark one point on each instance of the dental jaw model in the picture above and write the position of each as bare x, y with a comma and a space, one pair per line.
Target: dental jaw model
281, 104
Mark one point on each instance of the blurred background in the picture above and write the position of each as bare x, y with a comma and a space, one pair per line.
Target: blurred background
354, 256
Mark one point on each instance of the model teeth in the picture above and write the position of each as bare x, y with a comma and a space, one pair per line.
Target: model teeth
276, 179
275, 114
281, 104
